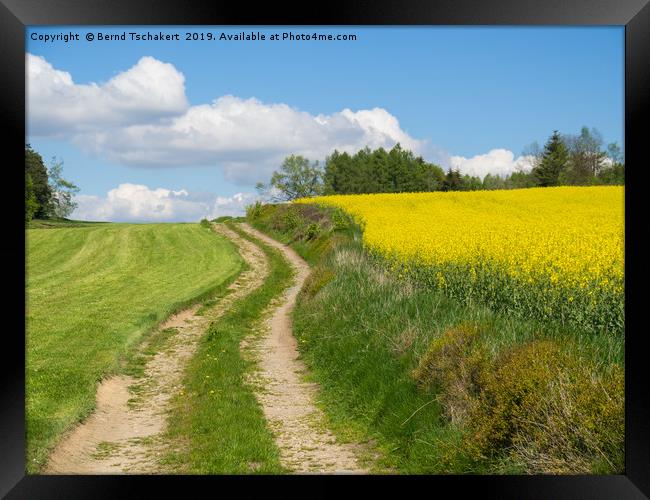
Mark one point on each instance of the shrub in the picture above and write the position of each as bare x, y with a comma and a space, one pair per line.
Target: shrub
290, 220
548, 411
280, 218
535, 406
455, 366
254, 211
311, 212
577, 428
339, 219
313, 230
205, 223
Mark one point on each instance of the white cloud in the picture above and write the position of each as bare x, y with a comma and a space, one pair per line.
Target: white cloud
139, 203
234, 205
141, 118
248, 139
496, 162
57, 106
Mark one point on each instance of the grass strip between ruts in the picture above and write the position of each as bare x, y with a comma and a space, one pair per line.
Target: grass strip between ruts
216, 419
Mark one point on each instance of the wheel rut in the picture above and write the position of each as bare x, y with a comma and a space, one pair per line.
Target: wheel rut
305, 443
125, 433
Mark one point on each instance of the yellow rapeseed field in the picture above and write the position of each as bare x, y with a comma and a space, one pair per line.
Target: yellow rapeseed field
551, 253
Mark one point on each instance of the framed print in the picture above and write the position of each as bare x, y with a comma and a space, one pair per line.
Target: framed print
382, 243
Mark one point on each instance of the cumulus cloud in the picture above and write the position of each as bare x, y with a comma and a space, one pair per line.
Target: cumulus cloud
138, 203
57, 106
247, 138
496, 162
141, 118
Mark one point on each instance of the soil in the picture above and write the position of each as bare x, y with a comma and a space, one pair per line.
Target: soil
288, 401
125, 434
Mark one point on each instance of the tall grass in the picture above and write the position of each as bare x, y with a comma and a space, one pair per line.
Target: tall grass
427, 376
553, 254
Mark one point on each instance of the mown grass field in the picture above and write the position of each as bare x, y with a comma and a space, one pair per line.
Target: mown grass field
441, 383
93, 292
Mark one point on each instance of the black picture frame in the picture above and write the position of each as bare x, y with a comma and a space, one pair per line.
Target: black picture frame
15, 15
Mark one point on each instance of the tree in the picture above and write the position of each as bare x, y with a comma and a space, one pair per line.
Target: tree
493, 182
586, 158
31, 205
614, 152
614, 172
520, 180
472, 182
380, 171
534, 154
553, 162
453, 181
297, 178
62, 191
35, 169
337, 167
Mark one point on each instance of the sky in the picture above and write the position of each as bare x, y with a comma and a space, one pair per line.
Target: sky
177, 130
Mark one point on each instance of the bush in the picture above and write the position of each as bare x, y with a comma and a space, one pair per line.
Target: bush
339, 219
536, 406
254, 211
205, 223
313, 230
290, 219
454, 365
548, 411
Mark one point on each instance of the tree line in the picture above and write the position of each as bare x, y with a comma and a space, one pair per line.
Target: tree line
47, 194
577, 160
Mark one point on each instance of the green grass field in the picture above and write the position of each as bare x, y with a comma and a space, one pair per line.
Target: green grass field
93, 292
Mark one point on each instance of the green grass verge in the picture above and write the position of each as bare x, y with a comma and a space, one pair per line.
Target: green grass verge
397, 365
217, 420
93, 293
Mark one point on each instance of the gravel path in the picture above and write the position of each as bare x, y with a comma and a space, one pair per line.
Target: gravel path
306, 446
124, 434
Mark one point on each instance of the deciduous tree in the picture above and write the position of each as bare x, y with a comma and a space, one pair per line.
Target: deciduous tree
31, 205
63, 191
586, 157
297, 178
37, 172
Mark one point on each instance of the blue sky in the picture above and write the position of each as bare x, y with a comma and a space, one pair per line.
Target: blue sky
471, 97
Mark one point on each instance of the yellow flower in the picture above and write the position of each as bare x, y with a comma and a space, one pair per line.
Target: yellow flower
570, 237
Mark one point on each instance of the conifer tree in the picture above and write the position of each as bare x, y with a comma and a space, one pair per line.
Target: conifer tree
553, 163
